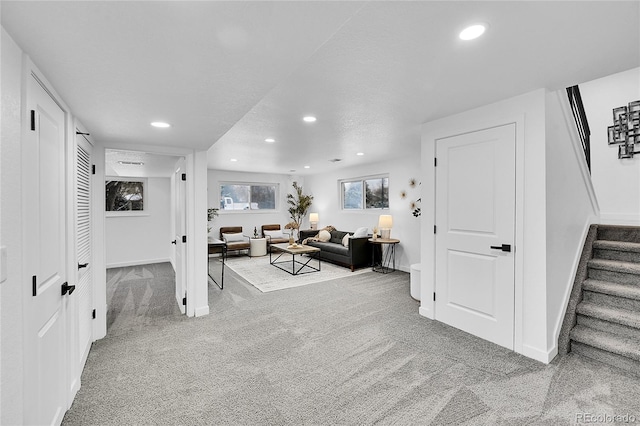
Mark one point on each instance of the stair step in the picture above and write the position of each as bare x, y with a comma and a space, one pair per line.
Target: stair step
627, 347
607, 313
617, 245
617, 250
614, 271
614, 289
626, 364
606, 326
619, 233
603, 299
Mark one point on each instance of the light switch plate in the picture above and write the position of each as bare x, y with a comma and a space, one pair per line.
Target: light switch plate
3, 264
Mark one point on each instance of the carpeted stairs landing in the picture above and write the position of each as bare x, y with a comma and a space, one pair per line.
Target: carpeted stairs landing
608, 317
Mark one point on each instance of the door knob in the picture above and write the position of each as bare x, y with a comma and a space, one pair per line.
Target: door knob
504, 247
82, 265
66, 288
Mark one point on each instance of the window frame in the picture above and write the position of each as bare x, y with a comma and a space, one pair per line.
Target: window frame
249, 185
362, 180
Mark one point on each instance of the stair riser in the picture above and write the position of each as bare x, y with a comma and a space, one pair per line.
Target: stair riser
612, 301
615, 277
631, 235
625, 256
617, 361
608, 327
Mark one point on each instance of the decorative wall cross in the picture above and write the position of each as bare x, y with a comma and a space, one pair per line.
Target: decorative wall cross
626, 129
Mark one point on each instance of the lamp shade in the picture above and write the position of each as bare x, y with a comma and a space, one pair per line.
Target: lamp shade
313, 217
385, 221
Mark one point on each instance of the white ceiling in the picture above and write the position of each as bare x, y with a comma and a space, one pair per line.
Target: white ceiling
235, 73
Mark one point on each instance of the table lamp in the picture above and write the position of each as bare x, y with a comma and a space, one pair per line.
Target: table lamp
385, 223
313, 219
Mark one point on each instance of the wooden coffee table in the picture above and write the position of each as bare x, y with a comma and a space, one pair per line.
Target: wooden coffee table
295, 266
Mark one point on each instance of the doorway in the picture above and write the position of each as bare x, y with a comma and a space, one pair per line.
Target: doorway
140, 224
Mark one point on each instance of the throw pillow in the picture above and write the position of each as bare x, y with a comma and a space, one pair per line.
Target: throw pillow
274, 234
233, 238
324, 236
345, 240
361, 232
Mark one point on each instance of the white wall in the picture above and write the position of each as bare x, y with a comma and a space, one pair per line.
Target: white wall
571, 208
248, 219
326, 192
528, 112
137, 240
11, 291
616, 182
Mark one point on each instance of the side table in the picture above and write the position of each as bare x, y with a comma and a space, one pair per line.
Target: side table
258, 247
388, 261
216, 246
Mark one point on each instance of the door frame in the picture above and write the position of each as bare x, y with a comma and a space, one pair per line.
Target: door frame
494, 115
179, 216
196, 276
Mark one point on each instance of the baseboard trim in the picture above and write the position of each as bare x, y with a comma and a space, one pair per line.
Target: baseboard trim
428, 313
137, 263
540, 355
202, 311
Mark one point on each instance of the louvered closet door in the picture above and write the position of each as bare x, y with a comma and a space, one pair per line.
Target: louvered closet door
83, 247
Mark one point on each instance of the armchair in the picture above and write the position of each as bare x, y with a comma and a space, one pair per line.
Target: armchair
233, 237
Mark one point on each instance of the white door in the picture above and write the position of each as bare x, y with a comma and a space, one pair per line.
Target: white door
475, 217
84, 290
181, 231
45, 241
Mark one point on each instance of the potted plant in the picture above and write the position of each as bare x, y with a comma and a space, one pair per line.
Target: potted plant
211, 213
299, 204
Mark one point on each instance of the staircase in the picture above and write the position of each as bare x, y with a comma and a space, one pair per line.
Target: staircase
607, 319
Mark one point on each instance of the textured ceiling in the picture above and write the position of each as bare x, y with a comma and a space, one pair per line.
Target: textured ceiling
235, 73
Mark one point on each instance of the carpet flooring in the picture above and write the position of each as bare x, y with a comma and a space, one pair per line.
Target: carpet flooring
352, 351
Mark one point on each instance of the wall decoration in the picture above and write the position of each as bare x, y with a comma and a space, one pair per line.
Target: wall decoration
625, 131
124, 195
414, 206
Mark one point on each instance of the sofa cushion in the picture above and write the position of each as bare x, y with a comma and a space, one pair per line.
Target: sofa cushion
337, 236
361, 232
324, 235
231, 238
345, 240
274, 234
330, 247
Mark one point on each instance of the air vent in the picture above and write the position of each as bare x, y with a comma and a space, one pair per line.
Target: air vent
335, 160
131, 163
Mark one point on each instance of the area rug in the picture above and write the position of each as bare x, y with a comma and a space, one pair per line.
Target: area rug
266, 277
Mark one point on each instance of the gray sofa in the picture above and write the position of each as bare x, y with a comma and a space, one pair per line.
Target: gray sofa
357, 255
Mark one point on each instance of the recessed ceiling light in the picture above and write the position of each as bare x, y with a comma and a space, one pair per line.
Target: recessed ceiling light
473, 31
160, 124
360, 153
309, 119
233, 160
307, 167
270, 140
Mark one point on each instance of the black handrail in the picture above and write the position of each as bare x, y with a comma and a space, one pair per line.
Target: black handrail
577, 108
